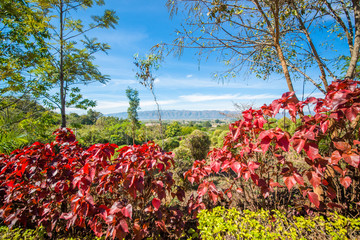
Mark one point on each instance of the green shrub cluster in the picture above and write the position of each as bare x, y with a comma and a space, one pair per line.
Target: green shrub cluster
221, 223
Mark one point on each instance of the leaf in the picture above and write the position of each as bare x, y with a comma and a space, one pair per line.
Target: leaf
314, 178
236, 166
342, 146
345, 181
124, 225
314, 198
351, 113
353, 159
312, 150
324, 126
289, 182
156, 203
127, 211
202, 189
335, 158
331, 193
298, 144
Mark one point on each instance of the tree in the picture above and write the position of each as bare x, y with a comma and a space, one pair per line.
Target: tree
269, 36
23, 31
172, 130
146, 66
134, 102
71, 62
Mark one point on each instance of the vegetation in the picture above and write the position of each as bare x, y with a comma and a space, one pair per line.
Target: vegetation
134, 102
221, 223
271, 37
273, 173
71, 59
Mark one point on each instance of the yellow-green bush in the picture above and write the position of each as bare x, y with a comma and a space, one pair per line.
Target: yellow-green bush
221, 223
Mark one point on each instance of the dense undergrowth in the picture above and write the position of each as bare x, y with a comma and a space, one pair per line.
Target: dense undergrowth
311, 170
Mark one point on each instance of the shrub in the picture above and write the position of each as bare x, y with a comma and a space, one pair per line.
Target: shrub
259, 167
170, 144
62, 186
198, 143
220, 223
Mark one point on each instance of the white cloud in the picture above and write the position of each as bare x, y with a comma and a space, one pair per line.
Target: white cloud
189, 76
202, 98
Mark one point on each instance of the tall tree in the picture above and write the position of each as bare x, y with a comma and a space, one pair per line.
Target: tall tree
145, 74
23, 32
134, 102
72, 52
269, 37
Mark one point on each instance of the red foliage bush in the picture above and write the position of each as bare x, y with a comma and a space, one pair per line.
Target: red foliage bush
329, 175
60, 185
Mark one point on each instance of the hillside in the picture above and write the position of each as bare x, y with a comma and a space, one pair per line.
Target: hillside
179, 115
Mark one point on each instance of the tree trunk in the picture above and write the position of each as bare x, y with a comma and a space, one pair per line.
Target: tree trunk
355, 51
312, 46
61, 74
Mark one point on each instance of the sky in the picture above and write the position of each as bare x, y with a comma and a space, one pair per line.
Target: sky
181, 83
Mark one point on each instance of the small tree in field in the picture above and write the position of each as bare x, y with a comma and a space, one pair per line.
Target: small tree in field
134, 102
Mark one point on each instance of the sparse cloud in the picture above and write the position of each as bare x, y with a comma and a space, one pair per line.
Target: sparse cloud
202, 98
189, 76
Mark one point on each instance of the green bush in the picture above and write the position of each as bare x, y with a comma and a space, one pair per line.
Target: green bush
198, 143
170, 144
221, 223
18, 233
40, 233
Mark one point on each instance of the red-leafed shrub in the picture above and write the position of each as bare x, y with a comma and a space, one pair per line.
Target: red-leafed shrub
271, 167
61, 185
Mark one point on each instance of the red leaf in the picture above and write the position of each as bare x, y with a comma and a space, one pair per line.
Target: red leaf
216, 166
289, 182
156, 203
342, 146
335, 158
236, 166
314, 198
202, 189
312, 150
299, 179
331, 193
334, 205
127, 211
353, 159
345, 181
351, 113
324, 126
314, 178
298, 144
253, 165
124, 225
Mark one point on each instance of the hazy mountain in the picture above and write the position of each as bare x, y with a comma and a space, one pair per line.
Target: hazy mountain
179, 115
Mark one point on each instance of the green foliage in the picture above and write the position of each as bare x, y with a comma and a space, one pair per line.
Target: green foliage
19, 233
23, 34
172, 130
185, 130
23, 121
171, 143
134, 102
198, 143
221, 223
72, 53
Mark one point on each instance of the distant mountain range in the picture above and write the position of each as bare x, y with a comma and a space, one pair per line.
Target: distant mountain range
180, 115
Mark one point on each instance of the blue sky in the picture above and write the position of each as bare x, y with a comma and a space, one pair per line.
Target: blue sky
181, 84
